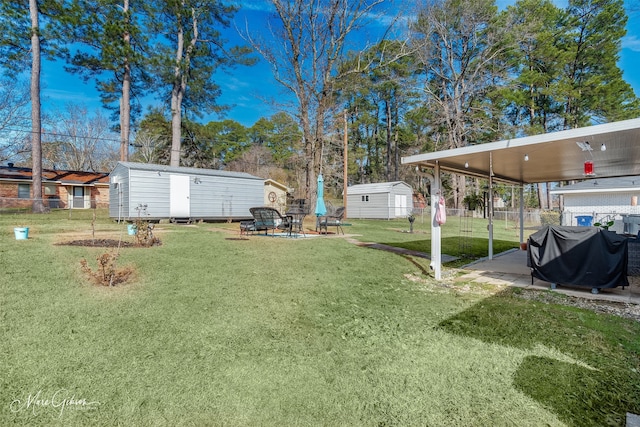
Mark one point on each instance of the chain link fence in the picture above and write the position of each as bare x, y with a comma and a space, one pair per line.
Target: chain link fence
533, 218
9, 205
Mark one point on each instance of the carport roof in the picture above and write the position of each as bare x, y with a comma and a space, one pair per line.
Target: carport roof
605, 185
552, 157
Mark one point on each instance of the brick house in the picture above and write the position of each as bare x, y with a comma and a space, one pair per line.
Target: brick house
60, 188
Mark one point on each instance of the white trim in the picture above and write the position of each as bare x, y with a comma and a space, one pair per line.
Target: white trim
597, 190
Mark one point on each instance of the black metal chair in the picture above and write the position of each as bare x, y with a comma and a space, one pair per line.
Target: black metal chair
332, 219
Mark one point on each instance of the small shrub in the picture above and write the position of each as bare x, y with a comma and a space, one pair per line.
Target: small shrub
473, 201
106, 273
550, 218
144, 234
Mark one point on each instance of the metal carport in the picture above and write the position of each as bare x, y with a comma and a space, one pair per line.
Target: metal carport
613, 148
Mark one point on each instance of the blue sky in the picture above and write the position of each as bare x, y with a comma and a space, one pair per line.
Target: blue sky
246, 88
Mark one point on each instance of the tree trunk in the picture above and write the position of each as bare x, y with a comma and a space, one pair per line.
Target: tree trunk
176, 103
308, 151
387, 166
181, 72
460, 188
125, 101
176, 125
36, 121
541, 198
396, 142
396, 151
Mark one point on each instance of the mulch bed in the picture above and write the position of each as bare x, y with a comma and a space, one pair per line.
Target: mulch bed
99, 243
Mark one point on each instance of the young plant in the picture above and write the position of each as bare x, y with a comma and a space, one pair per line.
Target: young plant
144, 233
106, 271
604, 225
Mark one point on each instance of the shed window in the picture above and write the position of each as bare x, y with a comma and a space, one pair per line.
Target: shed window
365, 198
24, 191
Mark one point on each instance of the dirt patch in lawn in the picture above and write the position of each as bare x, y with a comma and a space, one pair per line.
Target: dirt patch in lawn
106, 271
99, 243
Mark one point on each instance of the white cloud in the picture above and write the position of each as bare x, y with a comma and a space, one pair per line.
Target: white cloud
502, 4
631, 42
66, 95
255, 5
235, 84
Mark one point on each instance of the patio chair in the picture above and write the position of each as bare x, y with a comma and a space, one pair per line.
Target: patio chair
247, 227
267, 218
332, 219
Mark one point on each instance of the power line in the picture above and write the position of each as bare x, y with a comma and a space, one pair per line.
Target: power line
56, 134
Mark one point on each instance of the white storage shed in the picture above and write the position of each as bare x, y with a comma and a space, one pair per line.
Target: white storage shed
384, 200
180, 193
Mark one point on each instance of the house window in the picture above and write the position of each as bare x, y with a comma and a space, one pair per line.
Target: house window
24, 191
50, 190
365, 198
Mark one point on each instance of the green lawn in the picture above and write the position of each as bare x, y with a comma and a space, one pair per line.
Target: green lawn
217, 330
463, 238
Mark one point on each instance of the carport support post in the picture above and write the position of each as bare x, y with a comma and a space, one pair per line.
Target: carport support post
522, 214
490, 205
436, 236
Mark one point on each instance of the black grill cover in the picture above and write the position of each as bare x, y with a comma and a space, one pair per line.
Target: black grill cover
582, 256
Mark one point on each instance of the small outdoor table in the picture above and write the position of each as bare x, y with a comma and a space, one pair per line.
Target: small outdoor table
297, 220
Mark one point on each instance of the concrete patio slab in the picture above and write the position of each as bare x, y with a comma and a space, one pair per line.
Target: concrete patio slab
510, 268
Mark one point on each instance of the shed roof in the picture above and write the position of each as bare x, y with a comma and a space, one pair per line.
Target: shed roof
55, 176
602, 185
277, 184
186, 170
379, 187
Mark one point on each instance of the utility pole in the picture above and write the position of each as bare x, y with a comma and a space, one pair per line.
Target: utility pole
344, 167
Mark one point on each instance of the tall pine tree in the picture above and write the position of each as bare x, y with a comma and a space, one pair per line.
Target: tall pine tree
592, 82
112, 50
189, 49
26, 28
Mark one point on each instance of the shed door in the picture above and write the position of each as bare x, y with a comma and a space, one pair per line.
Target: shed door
179, 205
401, 205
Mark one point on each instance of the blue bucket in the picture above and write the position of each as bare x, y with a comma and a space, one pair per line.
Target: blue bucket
131, 229
22, 233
